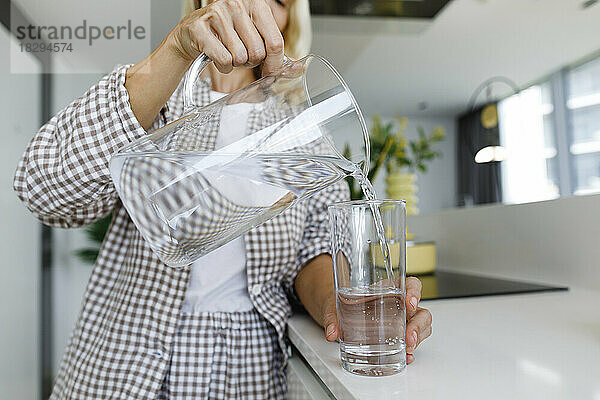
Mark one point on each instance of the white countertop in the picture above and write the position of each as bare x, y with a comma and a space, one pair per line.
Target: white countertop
531, 346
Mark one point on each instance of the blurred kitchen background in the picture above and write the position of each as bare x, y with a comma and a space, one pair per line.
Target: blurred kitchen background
514, 84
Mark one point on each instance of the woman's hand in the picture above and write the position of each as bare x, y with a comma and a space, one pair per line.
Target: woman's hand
314, 286
231, 33
418, 320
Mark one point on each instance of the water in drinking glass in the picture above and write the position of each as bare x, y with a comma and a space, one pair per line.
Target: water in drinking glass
372, 329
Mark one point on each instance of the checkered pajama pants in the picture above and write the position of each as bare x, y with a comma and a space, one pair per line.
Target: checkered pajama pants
225, 356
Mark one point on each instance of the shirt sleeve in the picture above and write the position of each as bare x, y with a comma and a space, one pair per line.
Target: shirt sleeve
315, 238
63, 177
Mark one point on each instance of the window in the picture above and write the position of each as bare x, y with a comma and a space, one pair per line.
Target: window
530, 170
550, 138
583, 104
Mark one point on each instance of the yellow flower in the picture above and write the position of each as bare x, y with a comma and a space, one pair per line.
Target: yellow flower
403, 122
401, 140
376, 119
438, 133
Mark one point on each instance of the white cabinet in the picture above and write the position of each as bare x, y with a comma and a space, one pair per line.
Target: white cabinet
302, 382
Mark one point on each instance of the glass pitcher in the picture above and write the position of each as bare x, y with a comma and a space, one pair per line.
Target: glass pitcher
222, 169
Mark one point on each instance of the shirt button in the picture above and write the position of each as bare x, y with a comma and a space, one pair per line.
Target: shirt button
157, 354
256, 289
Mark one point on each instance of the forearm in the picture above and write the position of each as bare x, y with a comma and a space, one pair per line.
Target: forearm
152, 81
314, 285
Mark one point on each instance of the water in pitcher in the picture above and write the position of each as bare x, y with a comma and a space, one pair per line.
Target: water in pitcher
188, 204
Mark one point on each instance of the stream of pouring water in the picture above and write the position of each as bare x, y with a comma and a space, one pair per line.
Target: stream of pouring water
370, 194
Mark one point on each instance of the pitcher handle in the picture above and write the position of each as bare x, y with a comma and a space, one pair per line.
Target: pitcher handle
190, 81
192, 75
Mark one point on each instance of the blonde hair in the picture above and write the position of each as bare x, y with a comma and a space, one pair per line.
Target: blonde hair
297, 36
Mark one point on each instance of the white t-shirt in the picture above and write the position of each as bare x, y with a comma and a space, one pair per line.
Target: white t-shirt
218, 280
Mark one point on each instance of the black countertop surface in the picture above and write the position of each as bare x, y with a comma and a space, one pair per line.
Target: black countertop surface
448, 285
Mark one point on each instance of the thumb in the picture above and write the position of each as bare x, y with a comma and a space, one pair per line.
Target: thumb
330, 322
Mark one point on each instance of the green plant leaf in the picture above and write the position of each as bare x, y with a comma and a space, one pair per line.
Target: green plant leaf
414, 147
96, 231
405, 161
355, 190
87, 255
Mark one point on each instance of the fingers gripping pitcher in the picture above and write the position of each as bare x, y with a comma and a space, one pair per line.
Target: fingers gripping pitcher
189, 194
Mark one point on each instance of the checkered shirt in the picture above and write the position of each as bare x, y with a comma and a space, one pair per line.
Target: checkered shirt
126, 335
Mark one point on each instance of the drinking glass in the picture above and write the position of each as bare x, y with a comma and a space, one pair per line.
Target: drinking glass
370, 297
